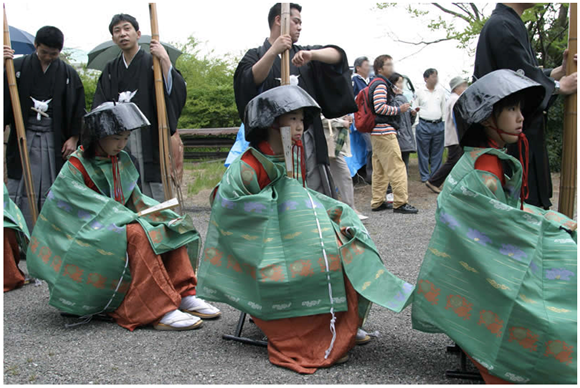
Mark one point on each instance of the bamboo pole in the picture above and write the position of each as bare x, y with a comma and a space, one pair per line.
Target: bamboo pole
569, 151
168, 173
285, 57
19, 124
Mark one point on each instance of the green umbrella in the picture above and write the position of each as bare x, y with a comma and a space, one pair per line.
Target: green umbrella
103, 53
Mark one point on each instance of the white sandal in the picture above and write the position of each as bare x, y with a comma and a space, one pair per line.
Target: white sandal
177, 321
199, 308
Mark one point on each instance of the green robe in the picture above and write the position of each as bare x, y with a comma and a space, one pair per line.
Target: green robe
264, 249
14, 219
501, 282
79, 244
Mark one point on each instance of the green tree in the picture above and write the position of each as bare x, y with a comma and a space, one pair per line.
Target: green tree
547, 25
210, 90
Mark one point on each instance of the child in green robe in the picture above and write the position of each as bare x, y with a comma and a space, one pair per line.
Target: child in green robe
95, 249
500, 276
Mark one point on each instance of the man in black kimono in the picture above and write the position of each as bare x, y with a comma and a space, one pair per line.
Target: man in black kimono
52, 99
321, 70
504, 44
130, 77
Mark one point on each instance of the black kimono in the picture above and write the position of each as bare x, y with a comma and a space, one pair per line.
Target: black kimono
329, 85
504, 44
62, 84
116, 78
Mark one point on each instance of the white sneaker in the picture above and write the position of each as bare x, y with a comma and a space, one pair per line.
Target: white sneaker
390, 198
198, 307
177, 320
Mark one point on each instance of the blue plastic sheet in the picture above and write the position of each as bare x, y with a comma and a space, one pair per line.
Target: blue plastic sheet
239, 146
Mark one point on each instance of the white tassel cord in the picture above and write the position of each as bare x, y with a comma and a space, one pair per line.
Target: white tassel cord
333, 320
87, 318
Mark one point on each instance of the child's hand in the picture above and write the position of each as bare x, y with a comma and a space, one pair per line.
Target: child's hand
405, 107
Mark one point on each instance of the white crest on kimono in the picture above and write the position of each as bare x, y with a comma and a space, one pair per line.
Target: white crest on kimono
451, 180
532, 220
468, 192
293, 79
66, 301
521, 72
40, 107
516, 378
564, 241
209, 290
311, 303
17, 74
282, 306
341, 299
67, 81
232, 298
255, 306
126, 96
500, 205
484, 364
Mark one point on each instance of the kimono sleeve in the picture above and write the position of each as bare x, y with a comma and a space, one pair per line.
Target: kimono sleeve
245, 87
333, 85
175, 101
75, 105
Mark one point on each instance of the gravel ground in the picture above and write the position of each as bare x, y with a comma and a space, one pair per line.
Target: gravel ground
39, 349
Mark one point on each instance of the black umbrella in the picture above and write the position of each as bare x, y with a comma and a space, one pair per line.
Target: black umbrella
103, 53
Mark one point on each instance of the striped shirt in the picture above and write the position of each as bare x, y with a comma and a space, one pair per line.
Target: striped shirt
382, 109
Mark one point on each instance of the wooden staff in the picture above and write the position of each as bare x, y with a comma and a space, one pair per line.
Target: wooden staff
285, 57
168, 174
569, 152
19, 124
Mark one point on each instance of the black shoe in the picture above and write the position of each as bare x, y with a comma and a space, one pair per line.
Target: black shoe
384, 206
406, 209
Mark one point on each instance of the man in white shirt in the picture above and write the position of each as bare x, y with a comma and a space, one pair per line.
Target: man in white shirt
455, 151
430, 133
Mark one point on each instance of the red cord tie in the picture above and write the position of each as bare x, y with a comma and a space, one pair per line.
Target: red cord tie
524, 150
117, 187
298, 152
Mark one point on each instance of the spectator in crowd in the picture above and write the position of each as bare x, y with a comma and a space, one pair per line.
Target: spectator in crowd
338, 143
405, 131
454, 150
388, 165
431, 129
360, 80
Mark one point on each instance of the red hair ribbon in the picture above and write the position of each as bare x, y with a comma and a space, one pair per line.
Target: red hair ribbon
117, 187
298, 151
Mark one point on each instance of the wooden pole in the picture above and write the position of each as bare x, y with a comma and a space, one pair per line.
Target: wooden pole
285, 57
19, 124
168, 174
569, 152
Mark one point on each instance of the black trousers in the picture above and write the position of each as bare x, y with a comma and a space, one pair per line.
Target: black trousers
454, 154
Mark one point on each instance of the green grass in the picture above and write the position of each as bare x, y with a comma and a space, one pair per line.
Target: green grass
206, 175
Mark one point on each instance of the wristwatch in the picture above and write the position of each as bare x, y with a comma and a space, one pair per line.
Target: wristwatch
557, 87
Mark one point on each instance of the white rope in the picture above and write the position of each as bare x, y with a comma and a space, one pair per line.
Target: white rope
87, 318
333, 320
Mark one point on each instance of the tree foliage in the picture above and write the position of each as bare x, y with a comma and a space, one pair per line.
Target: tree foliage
547, 25
210, 88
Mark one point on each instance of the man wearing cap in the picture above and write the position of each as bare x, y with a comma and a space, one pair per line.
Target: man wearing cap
454, 150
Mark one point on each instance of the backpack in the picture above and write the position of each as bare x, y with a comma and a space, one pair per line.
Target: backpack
364, 117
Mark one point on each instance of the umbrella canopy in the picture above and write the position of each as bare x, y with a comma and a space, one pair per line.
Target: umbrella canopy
103, 53
21, 41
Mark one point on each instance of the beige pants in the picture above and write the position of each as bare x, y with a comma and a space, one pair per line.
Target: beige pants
388, 167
